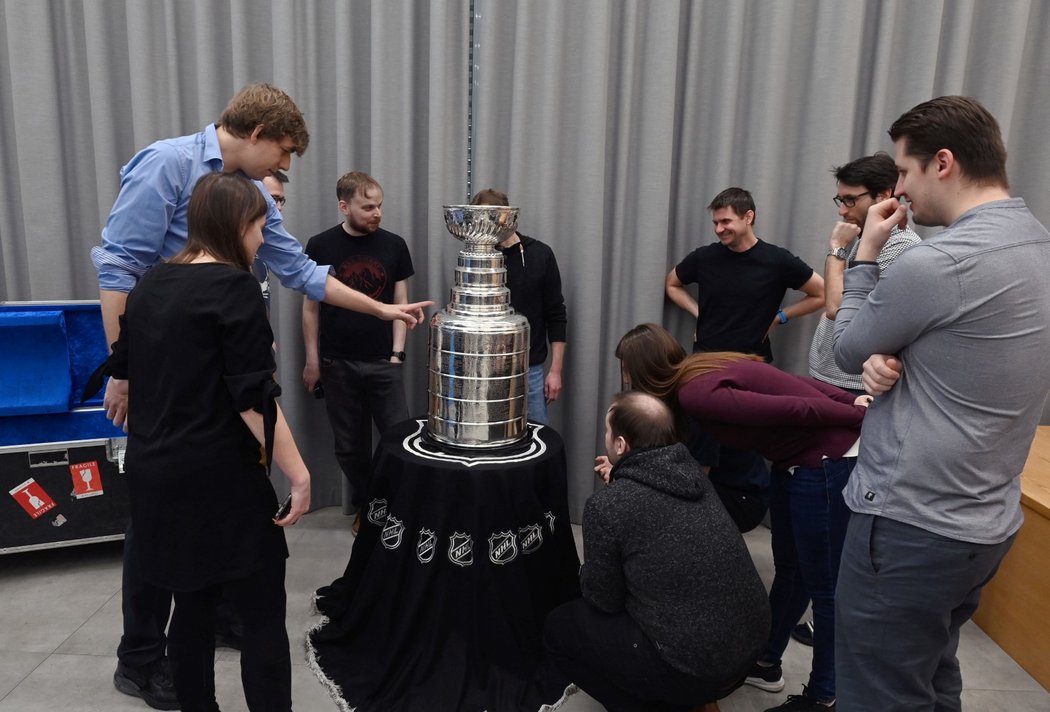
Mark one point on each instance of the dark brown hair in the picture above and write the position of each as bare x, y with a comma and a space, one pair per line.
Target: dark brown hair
642, 420
961, 125
657, 363
738, 199
222, 206
707, 362
267, 106
490, 196
649, 356
877, 173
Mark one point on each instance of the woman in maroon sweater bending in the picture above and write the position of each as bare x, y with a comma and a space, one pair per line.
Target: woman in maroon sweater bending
810, 431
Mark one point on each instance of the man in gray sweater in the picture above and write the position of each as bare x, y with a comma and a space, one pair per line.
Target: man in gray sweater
954, 341
673, 612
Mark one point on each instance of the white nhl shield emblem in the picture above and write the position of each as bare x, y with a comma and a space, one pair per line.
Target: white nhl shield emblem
392, 532
531, 538
377, 512
425, 546
503, 548
461, 549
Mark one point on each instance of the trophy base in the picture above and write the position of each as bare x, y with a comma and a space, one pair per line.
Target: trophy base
429, 442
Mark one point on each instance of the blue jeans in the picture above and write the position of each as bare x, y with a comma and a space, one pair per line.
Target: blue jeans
808, 519
537, 403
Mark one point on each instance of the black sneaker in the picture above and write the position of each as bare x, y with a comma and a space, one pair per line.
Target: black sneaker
152, 682
769, 678
802, 703
803, 633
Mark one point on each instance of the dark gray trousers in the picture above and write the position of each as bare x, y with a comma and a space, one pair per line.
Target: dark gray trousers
358, 393
902, 595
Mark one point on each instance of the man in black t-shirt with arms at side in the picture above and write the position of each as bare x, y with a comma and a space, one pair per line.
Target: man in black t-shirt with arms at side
741, 283
358, 357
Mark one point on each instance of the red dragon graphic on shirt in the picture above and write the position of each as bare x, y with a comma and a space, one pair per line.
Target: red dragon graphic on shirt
363, 273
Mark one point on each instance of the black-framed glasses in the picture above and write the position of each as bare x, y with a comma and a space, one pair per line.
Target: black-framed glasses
281, 200
849, 200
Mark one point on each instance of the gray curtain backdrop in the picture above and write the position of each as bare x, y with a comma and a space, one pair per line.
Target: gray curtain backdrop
611, 124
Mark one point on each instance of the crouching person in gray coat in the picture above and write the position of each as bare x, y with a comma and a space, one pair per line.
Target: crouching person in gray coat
673, 612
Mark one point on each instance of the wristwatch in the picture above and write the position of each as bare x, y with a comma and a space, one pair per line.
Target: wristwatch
398, 355
838, 253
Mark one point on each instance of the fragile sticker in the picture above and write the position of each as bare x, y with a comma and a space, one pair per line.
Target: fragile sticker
87, 479
33, 498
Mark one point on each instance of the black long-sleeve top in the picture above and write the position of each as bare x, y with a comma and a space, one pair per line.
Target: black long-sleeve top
535, 291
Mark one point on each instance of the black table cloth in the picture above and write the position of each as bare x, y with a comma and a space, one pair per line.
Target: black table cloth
459, 558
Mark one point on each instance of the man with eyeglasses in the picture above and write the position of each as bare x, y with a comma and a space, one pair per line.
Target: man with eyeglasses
860, 184
274, 184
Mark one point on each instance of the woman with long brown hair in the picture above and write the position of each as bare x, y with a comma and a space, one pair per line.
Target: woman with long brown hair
195, 348
649, 356
810, 431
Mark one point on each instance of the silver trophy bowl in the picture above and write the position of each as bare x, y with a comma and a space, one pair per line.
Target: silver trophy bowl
481, 224
479, 346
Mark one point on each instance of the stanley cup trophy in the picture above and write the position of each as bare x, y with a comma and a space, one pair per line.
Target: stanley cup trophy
479, 347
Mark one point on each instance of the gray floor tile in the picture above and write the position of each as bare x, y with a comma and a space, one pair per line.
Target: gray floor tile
100, 634
49, 594
1012, 701
15, 666
68, 601
986, 667
580, 701
83, 683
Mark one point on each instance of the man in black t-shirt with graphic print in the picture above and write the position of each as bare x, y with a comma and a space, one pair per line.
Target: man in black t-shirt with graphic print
358, 357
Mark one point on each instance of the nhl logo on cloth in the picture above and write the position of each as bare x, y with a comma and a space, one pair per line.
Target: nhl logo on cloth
461, 549
503, 548
392, 532
426, 546
531, 538
377, 512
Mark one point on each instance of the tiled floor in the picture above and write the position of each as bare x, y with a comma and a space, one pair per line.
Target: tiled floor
60, 623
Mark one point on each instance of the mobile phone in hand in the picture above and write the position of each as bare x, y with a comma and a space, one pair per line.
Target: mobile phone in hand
283, 510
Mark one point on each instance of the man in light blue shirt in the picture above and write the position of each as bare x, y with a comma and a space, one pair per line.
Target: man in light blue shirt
256, 135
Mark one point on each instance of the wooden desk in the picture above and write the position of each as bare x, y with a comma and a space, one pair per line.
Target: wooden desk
1015, 606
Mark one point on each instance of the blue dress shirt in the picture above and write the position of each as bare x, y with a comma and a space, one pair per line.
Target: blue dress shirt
148, 222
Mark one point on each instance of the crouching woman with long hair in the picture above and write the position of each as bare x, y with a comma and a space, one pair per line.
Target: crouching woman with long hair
195, 347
